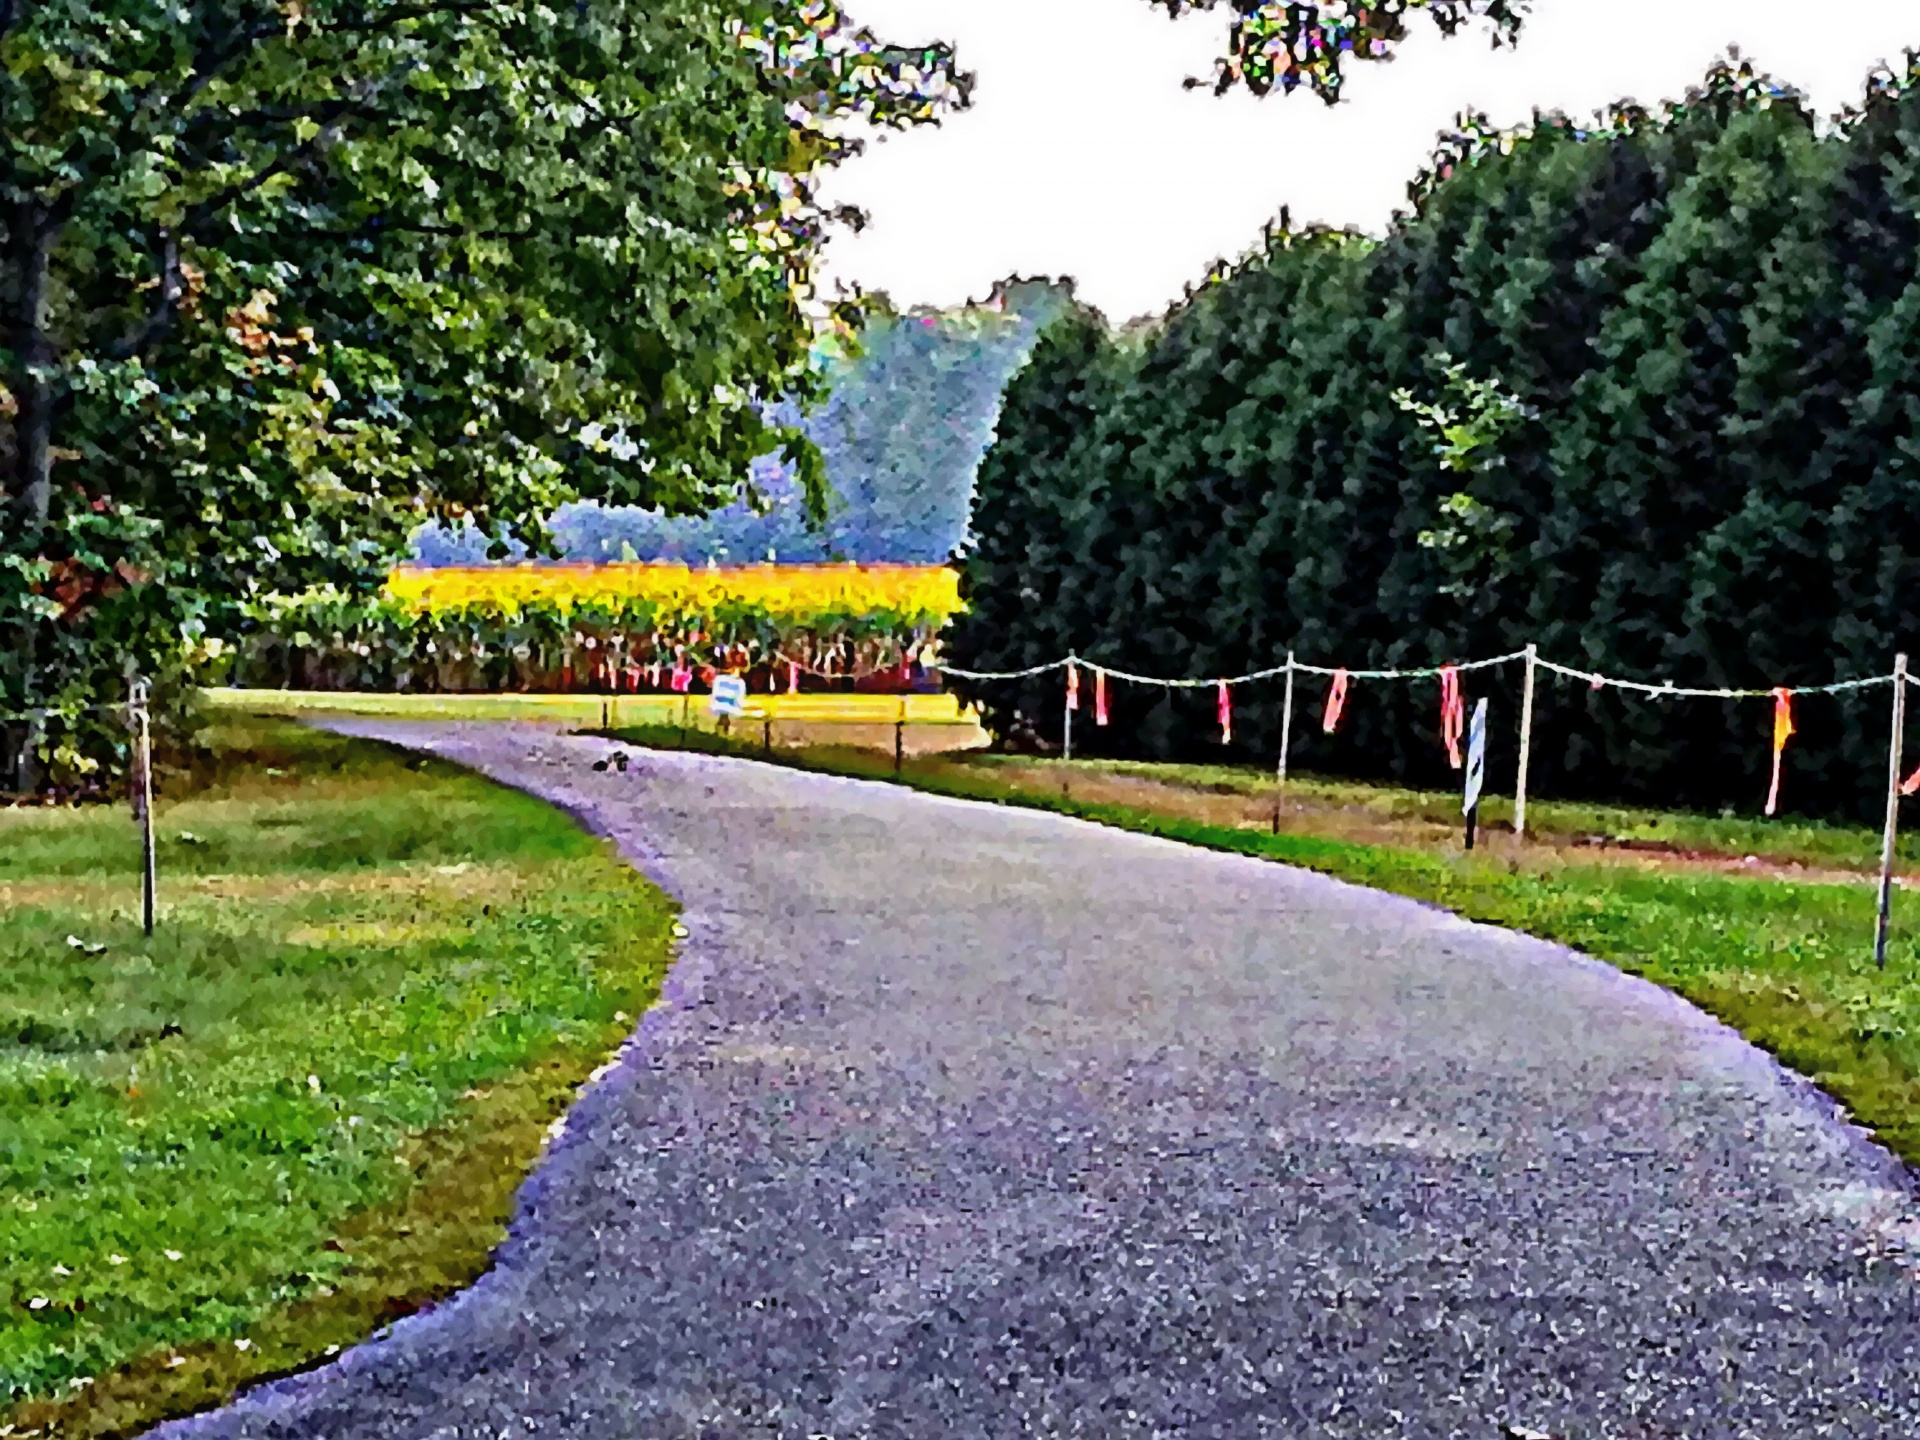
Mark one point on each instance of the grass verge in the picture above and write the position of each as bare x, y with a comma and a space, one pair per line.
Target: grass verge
303, 1108
1787, 963
1561, 823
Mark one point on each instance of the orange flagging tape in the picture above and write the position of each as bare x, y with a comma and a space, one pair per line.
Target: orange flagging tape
1336, 702
1911, 785
1782, 729
1453, 713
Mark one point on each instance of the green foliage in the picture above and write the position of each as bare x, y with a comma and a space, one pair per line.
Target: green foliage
1029, 503
350, 943
279, 282
1291, 43
909, 411
1467, 432
1471, 536
1671, 437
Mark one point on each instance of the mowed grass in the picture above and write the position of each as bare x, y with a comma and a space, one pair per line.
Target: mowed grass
1806, 842
1787, 963
302, 1108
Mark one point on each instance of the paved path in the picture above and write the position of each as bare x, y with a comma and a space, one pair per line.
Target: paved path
968, 1122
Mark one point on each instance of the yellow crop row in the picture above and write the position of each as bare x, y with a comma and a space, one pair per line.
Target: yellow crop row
592, 709
785, 591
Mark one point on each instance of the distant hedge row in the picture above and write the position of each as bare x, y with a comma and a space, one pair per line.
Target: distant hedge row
1713, 313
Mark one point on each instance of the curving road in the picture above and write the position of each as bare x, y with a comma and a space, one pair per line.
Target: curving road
960, 1121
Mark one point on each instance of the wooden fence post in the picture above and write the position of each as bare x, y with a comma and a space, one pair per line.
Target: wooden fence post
143, 798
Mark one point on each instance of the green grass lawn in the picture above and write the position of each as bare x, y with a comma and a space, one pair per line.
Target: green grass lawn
303, 1107
1809, 842
1788, 964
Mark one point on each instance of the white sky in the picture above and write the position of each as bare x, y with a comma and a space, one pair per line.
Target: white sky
1083, 156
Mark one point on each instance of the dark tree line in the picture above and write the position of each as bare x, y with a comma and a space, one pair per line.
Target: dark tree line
1707, 316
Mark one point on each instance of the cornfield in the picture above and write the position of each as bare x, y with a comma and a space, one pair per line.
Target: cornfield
620, 627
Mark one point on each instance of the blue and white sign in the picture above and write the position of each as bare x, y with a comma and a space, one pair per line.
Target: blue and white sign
729, 695
1476, 757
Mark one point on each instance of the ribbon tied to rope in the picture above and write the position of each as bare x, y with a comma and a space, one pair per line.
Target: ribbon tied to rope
1782, 731
1453, 713
1336, 702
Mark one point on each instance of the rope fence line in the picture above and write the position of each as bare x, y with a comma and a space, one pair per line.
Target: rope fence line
1681, 692
1429, 673
136, 708
780, 657
1018, 674
1451, 723
1665, 689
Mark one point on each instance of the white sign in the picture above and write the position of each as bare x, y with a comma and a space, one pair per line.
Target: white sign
729, 695
1476, 757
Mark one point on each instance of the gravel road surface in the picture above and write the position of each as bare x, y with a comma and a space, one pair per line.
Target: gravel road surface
976, 1122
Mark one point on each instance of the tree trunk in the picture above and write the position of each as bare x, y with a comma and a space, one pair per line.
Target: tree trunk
32, 489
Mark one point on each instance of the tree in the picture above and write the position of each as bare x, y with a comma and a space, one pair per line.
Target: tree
1650, 474
278, 281
909, 411
1473, 539
1291, 43
905, 425
1687, 336
1031, 495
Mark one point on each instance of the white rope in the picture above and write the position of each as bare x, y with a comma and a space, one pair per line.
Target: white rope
1235, 679
1666, 690
1182, 684
1425, 674
1006, 674
1680, 692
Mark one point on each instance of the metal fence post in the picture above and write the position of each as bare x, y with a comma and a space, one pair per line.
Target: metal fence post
1286, 722
1893, 810
1286, 739
1066, 745
1526, 746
